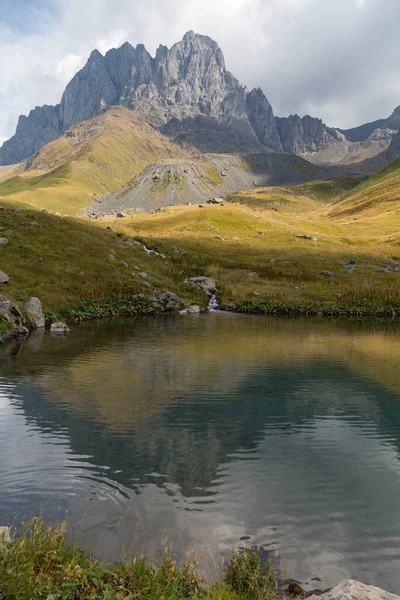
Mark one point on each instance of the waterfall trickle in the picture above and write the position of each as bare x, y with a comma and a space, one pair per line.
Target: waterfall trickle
213, 304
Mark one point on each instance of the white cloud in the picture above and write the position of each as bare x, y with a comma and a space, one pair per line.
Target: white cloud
328, 59
68, 66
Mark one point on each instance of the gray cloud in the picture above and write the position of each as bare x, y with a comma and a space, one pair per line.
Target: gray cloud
339, 61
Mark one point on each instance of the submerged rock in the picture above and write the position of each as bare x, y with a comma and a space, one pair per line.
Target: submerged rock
354, 590
59, 328
35, 313
192, 310
167, 301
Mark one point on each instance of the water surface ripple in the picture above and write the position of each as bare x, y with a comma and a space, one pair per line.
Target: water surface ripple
209, 431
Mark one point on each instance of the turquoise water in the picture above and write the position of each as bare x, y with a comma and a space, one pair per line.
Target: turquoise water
207, 431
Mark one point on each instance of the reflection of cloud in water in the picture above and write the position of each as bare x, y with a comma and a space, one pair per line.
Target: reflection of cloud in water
182, 429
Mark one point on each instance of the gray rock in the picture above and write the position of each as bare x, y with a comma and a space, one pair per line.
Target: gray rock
192, 310
59, 328
11, 313
306, 237
3, 241
125, 264
262, 120
4, 278
307, 134
5, 536
256, 294
328, 273
204, 283
35, 313
121, 215
354, 590
216, 201
167, 301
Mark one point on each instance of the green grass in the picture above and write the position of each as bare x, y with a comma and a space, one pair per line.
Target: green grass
41, 564
66, 262
95, 158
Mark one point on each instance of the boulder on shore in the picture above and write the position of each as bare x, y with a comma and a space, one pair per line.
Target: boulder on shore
35, 313
5, 536
354, 590
167, 301
10, 312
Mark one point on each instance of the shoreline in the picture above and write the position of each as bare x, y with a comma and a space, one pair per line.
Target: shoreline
40, 562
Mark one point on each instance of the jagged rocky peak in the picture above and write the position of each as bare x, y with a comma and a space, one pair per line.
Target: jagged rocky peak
300, 135
262, 119
182, 83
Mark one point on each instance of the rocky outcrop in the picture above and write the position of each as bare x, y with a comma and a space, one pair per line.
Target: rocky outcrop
262, 119
35, 314
43, 125
204, 283
393, 151
305, 135
354, 590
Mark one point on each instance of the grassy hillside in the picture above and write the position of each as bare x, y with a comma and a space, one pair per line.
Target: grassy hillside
378, 197
255, 254
93, 158
300, 197
64, 261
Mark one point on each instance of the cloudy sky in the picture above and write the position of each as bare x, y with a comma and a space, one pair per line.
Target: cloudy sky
338, 60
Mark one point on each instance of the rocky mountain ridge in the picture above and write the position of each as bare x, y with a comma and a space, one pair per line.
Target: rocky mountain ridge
185, 92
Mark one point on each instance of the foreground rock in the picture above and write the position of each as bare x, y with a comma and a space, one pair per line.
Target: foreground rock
167, 301
354, 590
10, 313
192, 310
4, 278
59, 328
35, 313
5, 536
204, 283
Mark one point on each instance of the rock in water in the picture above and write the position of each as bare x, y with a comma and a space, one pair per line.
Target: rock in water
354, 590
167, 301
192, 310
35, 313
59, 328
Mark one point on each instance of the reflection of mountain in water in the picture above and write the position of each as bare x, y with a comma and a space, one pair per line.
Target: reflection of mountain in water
196, 433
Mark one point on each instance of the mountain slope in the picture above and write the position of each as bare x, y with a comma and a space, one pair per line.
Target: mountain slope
202, 178
93, 158
379, 197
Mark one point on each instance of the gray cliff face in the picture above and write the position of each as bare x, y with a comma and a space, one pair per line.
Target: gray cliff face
304, 135
33, 132
393, 151
262, 119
